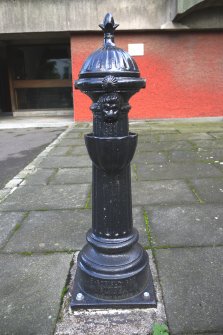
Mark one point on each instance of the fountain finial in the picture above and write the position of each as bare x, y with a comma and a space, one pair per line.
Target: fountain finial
108, 26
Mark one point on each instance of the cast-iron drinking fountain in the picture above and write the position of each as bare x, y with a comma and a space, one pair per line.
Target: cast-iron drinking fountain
112, 268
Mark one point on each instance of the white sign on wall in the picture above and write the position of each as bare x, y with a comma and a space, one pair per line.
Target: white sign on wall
136, 49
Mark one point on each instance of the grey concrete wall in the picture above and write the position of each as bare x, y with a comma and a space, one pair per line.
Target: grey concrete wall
80, 15
29, 16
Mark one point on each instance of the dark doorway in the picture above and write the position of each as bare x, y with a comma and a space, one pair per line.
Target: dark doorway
41, 76
5, 100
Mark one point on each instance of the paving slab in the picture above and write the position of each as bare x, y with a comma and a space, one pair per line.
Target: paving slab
153, 131
176, 171
75, 135
194, 225
30, 292
191, 279
205, 155
218, 135
160, 129
139, 224
209, 189
51, 231
78, 150
212, 154
147, 138
208, 143
164, 146
66, 162
72, 176
46, 197
70, 141
61, 231
4, 192
199, 127
182, 137
208, 129
40, 177
150, 157
59, 151
82, 126
161, 192
219, 165
8, 223
183, 155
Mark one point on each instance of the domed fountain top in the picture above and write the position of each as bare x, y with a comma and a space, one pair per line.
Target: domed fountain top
109, 58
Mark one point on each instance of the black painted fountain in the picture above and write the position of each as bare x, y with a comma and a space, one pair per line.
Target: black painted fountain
112, 268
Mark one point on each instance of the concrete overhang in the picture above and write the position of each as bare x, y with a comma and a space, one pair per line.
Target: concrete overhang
184, 8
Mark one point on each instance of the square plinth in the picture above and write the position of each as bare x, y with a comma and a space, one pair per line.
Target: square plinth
145, 299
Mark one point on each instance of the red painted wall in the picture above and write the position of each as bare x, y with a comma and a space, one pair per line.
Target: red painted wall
184, 73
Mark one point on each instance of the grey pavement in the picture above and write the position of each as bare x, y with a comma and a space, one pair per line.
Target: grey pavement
177, 188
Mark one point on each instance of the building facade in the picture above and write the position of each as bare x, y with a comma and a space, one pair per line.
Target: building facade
178, 46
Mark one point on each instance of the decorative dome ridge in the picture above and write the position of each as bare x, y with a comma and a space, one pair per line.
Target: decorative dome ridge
109, 59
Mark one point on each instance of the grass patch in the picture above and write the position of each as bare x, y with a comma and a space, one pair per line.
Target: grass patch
135, 171
70, 150
26, 253
87, 203
26, 214
51, 177
64, 291
194, 145
67, 251
148, 230
160, 329
17, 226
194, 192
